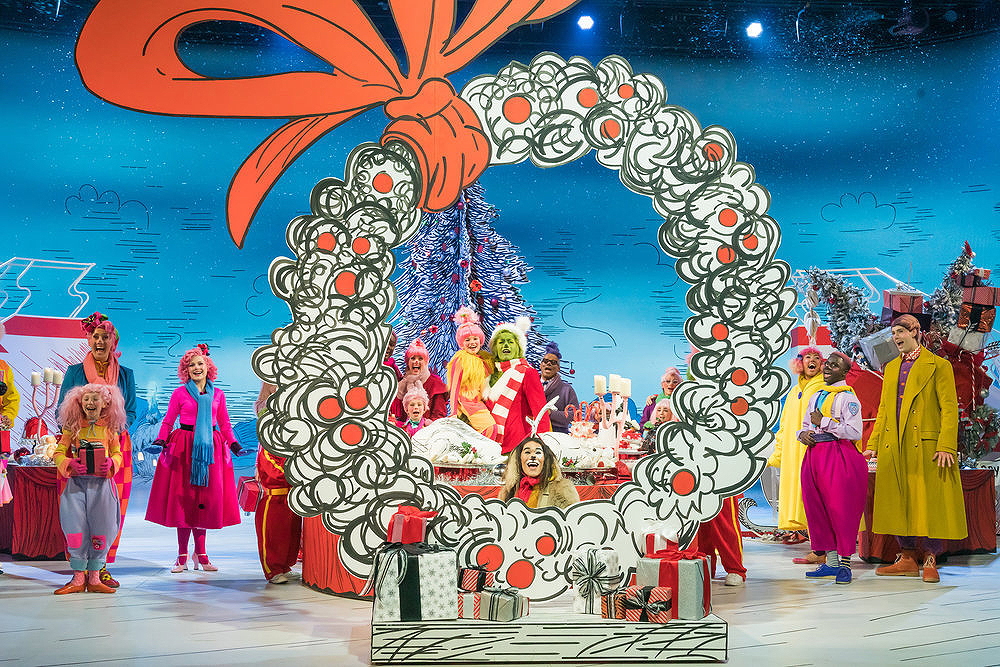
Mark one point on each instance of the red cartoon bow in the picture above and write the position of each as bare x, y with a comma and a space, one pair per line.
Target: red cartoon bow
127, 55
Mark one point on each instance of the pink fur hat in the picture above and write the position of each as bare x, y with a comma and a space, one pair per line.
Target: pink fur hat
417, 349
415, 392
468, 325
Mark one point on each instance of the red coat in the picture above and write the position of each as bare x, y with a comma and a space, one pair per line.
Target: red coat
529, 400
271, 470
436, 391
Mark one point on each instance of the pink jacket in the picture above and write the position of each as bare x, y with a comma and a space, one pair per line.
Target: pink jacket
184, 406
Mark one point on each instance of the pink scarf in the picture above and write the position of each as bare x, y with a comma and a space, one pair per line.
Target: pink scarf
110, 374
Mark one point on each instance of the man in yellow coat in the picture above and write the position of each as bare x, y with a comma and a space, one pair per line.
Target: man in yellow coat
788, 451
918, 492
9, 402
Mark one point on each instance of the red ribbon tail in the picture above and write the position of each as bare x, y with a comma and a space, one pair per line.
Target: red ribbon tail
265, 165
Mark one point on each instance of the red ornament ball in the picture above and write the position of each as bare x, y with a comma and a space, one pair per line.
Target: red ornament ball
572, 371
434, 328
475, 285
443, 300
494, 302
459, 205
454, 277
464, 263
444, 317
479, 248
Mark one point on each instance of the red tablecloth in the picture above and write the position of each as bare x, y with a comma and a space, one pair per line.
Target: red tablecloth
29, 525
980, 515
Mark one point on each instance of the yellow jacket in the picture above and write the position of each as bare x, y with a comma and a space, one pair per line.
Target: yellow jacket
66, 449
789, 452
913, 496
11, 400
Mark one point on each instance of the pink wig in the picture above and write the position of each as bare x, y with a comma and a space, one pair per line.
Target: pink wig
671, 372
468, 325
665, 403
100, 321
415, 393
796, 363
417, 349
112, 414
201, 350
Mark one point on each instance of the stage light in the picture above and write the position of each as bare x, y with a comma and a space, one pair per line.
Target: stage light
755, 29
585, 22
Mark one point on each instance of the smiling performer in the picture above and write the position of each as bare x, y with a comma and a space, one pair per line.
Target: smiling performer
417, 370
788, 451
918, 492
834, 473
515, 392
467, 374
533, 475
101, 366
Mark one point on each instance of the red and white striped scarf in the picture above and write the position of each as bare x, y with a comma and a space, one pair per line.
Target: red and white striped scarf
512, 376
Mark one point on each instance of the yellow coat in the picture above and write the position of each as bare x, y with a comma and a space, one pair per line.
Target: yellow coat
789, 452
913, 496
10, 401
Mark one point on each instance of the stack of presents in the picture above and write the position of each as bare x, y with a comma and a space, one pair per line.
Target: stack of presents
415, 581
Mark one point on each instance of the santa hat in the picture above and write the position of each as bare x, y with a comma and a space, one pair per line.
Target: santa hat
413, 392
519, 327
468, 325
417, 349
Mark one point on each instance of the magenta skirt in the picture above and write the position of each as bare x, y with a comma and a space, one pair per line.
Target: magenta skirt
175, 503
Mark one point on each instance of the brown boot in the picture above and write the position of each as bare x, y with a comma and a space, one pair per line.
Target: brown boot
905, 566
930, 570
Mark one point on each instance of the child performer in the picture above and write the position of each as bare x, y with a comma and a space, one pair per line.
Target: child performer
467, 374
834, 472
661, 415
89, 511
415, 403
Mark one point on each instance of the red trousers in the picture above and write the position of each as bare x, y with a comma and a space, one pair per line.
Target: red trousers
279, 533
722, 535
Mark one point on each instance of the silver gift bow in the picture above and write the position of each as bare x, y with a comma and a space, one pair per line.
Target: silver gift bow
588, 579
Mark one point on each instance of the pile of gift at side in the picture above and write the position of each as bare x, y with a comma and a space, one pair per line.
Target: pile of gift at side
669, 583
415, 581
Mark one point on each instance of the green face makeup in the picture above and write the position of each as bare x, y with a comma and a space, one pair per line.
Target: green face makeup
507, 347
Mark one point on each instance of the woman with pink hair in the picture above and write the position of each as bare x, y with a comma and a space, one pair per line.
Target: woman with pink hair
416, 369
101, 366
194, 488
88, 456
467, 373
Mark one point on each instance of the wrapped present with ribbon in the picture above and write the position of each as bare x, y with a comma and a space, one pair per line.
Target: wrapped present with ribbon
903, 301
967, 339
594, 571
686, 573
91, 454
493, 604
613, 604
654, 541
409, 525
977, 277
472, 579
651, 604
976, 317
982, 296
413, 582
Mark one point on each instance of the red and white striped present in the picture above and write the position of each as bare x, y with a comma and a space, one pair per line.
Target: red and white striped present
472, 579
492, 605
647, 603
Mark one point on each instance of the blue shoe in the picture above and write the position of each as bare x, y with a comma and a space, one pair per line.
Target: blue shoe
824, 571
844, 575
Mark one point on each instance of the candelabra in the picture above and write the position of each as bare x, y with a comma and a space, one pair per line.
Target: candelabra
51, 379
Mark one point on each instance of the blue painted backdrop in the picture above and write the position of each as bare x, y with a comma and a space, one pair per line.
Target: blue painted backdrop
889, 160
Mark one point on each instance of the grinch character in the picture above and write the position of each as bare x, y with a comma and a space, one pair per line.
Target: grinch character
515, 390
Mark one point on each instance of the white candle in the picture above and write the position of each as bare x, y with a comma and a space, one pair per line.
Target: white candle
57, 377
616, 383
626, 387
48, 375
600, 385
36, 378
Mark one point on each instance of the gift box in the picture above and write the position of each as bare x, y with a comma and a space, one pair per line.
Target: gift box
973, 341
413, 582
687, 574
471, 579
612, 604
903, 301
594, 571
879, 348
91, 454
651, 604
654, 541
408, 525
976, 317
249, 493
889, 314
492, 605
982, 296
975, 278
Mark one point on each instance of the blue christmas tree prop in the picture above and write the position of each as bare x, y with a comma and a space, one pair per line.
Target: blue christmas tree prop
458, 259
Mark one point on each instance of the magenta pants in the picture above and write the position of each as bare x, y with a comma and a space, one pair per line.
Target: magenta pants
834, 491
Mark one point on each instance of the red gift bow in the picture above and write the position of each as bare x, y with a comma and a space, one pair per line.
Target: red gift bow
127, 55
410, 510
673, 553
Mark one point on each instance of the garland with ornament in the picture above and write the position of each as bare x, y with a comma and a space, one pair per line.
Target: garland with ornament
847, 312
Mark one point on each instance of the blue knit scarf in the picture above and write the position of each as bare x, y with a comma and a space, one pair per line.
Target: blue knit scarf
202, 449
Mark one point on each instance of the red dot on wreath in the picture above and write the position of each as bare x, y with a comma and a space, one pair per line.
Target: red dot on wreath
382, 182
682, 482
740, 377
464, 263
546, 545
361, 245
351, 434
517, 109
726, 254
490, 557
713, 152
329, 408
720, 331
740, 407
356, 398
587, 97
326, 241
750, 242
459, 205
625, 91
728, 217
520, 574
610, 129
346, 283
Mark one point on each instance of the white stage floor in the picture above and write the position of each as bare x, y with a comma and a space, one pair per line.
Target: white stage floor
233, 617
